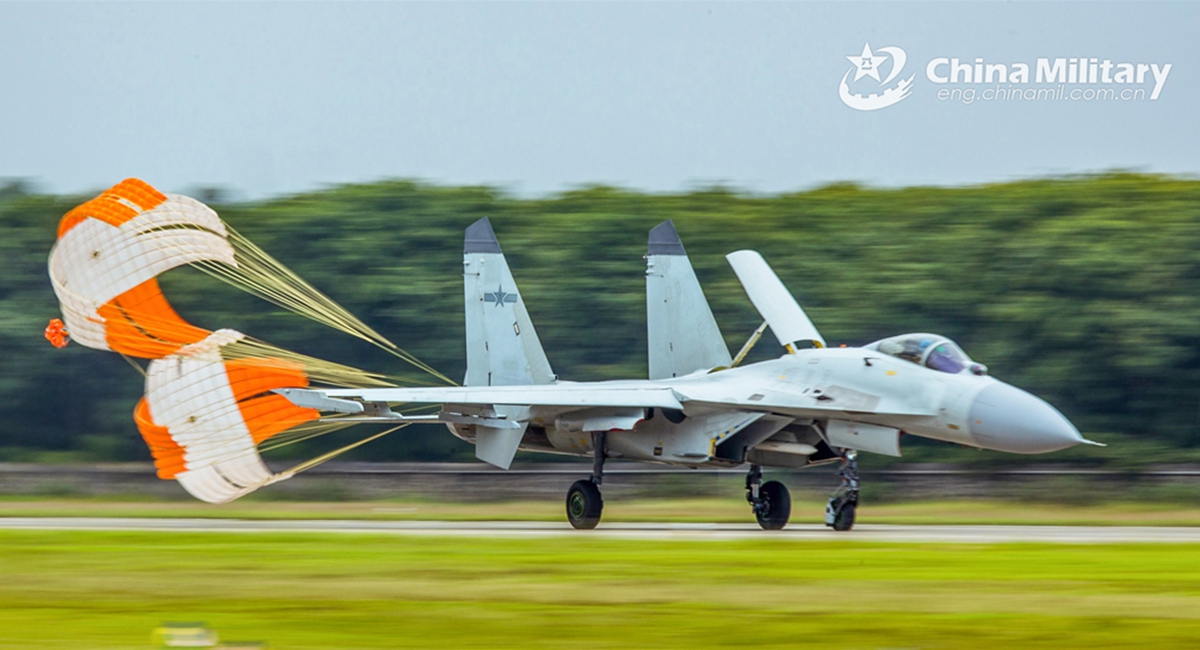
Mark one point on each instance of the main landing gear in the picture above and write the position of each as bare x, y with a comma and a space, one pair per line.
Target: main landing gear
839, 512
584, 503
771, 501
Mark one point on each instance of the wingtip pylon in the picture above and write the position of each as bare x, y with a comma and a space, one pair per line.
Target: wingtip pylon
664, 240
480, 238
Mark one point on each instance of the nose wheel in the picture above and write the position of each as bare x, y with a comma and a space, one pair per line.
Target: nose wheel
840, 511
584, 503
771, 501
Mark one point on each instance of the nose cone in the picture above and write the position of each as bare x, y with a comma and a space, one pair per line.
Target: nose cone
1006, 418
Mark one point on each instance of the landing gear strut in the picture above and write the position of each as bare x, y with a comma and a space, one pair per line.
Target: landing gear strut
584, 503
771, 502
839, 512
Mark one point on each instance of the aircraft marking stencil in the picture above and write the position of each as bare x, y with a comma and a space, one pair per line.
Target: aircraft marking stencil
500, 297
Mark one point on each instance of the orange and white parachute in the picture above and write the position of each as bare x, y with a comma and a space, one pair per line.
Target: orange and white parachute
109, 253
204, 416
208, 407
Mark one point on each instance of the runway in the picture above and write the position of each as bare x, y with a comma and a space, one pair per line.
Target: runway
642, 531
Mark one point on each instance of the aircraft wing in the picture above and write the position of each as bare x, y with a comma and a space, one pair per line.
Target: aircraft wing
349, 400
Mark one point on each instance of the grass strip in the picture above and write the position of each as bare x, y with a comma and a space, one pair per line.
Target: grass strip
110, 589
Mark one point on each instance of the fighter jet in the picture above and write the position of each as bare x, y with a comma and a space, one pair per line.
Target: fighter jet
700, 407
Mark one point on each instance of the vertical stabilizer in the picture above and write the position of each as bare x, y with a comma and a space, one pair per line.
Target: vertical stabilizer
681, 332
502, 347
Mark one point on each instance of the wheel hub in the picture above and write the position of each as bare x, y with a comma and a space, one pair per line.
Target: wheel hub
577, 506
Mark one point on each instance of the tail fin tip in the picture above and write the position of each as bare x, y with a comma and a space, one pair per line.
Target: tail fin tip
480, 238
664, 240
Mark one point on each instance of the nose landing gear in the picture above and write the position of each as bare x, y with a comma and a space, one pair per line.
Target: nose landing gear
840, 511
771, 501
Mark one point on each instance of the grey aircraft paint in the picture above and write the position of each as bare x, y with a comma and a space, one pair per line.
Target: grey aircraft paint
681, 333
812, 405
502, 346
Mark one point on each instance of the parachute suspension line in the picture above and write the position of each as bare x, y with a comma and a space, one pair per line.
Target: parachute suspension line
258, 273
318, 370
405, 356
266, 277
135, 364
312, 302
306, 431
309, 464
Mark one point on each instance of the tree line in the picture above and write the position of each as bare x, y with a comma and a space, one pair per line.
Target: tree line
1084, 290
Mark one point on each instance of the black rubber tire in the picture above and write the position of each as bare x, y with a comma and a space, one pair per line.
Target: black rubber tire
779, 506
584, 505
844, 519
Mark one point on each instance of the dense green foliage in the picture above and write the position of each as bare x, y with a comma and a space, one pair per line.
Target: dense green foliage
1083, 290
84, 589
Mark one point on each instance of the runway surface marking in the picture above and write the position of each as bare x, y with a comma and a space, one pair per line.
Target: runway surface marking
717, 532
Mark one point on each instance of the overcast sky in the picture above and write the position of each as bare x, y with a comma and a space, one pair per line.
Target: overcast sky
266, 99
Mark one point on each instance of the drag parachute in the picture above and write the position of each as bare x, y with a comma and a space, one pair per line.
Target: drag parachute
203, 416
208, 408
105, 264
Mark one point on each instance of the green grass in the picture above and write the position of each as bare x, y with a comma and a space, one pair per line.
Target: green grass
723, 510
298, 591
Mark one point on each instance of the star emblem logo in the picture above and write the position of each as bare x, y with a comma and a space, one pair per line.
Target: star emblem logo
500, 296
867, 63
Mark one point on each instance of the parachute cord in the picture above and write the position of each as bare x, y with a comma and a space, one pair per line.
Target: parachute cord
420, 365
135, 364
270, 279
304, 432
262, 275
309, 464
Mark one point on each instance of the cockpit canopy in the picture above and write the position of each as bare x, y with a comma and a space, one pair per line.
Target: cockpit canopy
930, 350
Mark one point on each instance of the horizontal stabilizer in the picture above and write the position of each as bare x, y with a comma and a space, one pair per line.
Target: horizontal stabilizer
553, 395
773, 301
314, 399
